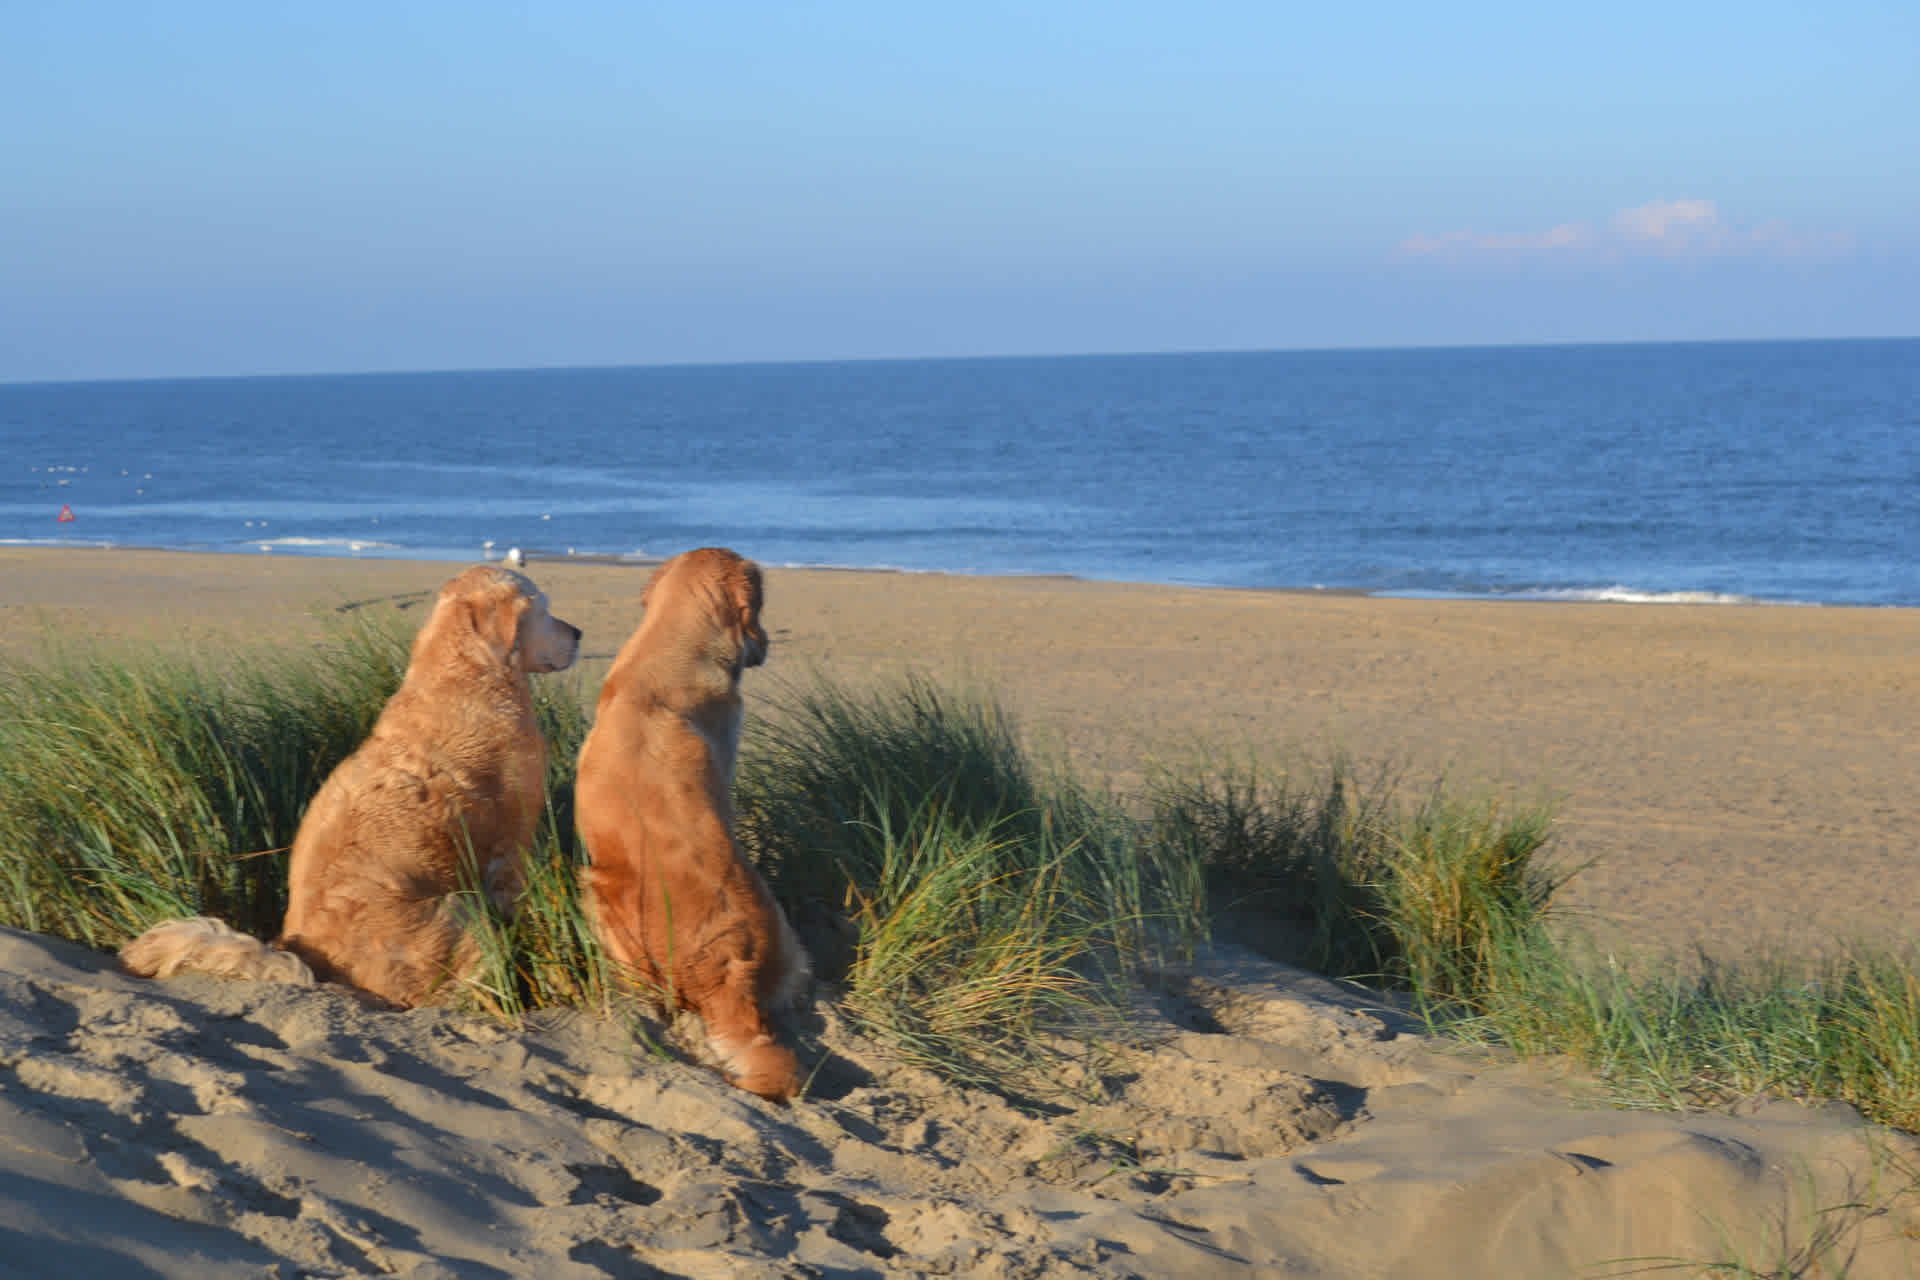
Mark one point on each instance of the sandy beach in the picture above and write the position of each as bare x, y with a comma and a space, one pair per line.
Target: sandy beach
1737, 776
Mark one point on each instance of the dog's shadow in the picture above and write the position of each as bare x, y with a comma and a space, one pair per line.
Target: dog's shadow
830, 1076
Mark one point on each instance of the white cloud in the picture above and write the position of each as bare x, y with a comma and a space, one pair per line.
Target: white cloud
1686, 228
1671, 222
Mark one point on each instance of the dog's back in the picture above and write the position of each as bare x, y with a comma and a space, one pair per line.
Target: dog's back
451, 779
675, 904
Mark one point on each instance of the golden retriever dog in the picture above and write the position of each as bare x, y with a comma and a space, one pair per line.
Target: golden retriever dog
442, 796
676, 906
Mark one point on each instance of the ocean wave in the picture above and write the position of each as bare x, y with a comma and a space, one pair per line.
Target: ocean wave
847, 567
56, 542
1632, 595
1615, 594
323, 544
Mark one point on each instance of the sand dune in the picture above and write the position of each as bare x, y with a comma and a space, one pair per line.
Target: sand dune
1271, 1123
1736, 770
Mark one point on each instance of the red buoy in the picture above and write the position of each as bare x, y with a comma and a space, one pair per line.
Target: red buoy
66, 514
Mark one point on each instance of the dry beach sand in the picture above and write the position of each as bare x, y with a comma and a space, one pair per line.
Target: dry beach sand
1738, 774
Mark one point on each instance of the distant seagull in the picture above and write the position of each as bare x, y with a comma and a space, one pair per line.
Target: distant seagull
514, 558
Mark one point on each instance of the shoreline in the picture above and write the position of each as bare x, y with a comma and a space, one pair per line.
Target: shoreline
1614, 594
1734, 773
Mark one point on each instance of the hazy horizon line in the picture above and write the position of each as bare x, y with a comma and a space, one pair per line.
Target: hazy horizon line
1167, 353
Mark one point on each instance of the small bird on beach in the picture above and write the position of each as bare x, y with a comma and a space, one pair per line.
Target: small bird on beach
514, 557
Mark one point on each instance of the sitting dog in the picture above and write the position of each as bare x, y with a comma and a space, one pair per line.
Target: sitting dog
676, 906
443, 795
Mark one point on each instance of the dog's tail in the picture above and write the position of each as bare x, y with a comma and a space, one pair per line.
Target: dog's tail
205, 945
737, 1031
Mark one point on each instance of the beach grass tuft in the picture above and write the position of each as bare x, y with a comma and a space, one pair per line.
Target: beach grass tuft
1295, 853
1462, 889
136, 789
970, 901
1844, 1026
825, 767
1331, 869
973, 953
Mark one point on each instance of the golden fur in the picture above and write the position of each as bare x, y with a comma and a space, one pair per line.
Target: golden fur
455, 768
676, 905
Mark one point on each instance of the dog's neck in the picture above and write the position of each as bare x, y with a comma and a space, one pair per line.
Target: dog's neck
683, 667
501, 686
718, 724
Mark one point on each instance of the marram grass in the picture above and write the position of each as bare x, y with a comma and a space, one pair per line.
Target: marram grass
135, 789
1845, 1026
1460, 884
970, 902
1297, 854
971, 908
831, 780
972, 954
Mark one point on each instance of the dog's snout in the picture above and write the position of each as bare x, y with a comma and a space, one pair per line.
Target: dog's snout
556, 647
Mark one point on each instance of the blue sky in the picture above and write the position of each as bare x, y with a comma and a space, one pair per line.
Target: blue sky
228, 188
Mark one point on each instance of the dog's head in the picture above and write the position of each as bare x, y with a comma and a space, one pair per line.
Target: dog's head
501, 617
724, 587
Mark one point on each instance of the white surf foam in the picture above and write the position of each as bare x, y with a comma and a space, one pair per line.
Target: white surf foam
1632, 595
325, 544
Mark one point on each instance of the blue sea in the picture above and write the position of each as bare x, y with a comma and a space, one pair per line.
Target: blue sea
1782, 471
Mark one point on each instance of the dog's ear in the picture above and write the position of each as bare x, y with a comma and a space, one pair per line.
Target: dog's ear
492, 619
744, 587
